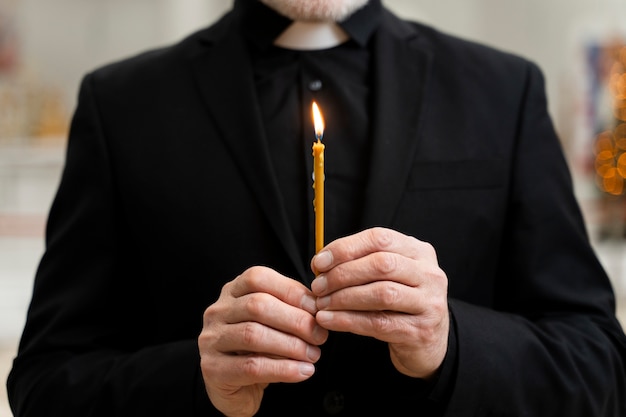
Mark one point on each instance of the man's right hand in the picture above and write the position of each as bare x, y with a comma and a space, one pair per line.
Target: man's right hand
261, 330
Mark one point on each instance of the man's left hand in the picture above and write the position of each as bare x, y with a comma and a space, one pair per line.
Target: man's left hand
383, 284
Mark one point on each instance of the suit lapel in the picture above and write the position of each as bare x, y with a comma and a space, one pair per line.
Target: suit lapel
401, 67
224, 76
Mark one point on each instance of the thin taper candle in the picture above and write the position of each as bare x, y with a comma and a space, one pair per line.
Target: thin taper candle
318, 177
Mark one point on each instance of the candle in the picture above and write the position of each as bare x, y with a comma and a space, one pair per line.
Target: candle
318, 177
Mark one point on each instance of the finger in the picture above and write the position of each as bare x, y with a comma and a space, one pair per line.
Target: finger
266, 280
379, 296
379, 266
271, 312
245, 370
250, 337
371, 241
387, 326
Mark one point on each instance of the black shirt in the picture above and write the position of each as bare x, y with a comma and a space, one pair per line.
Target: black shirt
338, 79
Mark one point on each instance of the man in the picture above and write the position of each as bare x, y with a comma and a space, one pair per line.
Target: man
188, 186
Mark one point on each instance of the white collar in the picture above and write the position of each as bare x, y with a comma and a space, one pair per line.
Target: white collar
307, 36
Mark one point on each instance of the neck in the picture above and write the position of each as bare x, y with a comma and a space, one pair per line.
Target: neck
311, 36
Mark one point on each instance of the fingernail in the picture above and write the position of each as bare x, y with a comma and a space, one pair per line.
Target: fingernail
307, 369
324, 316
309, 304
323, 260
313, 353
323, 302
319, 284
320, 334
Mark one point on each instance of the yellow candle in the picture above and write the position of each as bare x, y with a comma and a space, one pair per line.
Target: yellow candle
318, 177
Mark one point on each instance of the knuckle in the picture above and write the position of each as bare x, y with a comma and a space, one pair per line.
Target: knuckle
255, 305
229, 289
385, 263
429, 249
430, 327
302, 321
388, 295
381, 323
381, 237
436, 275
293, 295
295, 345
208, 314
440, 306
252, 367
212, 315
254, 275
340, 275
251, 334
204, 339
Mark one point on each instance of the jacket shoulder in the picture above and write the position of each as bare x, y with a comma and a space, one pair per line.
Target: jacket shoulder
454, 53
154, 64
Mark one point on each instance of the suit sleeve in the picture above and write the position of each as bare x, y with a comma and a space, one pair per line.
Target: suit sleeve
552, 345
83, 351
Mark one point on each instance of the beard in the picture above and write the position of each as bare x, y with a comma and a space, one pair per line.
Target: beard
316, 10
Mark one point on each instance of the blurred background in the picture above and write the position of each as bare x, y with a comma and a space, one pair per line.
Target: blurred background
47, 46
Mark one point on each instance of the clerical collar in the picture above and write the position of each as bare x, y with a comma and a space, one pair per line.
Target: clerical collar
261, 25
311, 36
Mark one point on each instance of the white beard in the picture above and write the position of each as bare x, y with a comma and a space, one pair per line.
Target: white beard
316, 10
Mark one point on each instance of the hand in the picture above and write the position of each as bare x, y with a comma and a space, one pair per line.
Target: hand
261, 330
383, 284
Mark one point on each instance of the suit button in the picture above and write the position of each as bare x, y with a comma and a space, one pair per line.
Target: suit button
315, 85
334, 402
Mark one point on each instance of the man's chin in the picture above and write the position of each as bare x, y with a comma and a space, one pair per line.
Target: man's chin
316, 10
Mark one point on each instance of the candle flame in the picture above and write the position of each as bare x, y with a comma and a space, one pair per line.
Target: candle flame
318, 121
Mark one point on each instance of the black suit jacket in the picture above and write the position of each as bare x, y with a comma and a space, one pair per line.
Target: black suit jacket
168, 193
